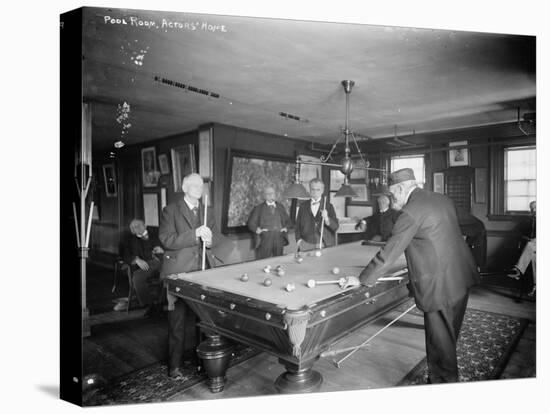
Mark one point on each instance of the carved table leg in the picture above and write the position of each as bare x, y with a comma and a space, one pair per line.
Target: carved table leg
298, 378
215, 353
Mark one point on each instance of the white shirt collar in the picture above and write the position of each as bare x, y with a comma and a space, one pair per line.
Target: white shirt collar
270, 203
191, 206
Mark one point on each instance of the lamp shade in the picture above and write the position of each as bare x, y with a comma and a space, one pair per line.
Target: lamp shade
345, 191
296, 190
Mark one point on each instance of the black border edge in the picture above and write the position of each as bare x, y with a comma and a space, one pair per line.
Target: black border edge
70, 318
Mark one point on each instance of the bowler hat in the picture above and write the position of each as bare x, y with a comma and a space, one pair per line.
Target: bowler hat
401, 175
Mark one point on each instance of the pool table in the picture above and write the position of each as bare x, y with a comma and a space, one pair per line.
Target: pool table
296, 325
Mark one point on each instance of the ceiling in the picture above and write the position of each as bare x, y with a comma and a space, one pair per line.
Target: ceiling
251, 70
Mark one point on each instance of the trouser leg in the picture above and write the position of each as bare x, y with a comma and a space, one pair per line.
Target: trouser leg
527, 256
278, 246
442, 329
264, 250
176, 334
142, 286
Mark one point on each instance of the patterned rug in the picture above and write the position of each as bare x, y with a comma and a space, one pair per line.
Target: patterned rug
484, 346
152, 383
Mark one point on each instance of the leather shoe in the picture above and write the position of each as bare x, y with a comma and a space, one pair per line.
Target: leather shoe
175, 373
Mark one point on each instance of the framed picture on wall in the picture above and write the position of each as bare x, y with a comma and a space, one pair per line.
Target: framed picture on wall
109, 178
439, 183
149, 171
339, 204
248, 175
163, 164
361, 191
458, 157
205, 154
183, 163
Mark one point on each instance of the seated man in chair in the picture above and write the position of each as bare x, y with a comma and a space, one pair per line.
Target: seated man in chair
140, 253
529, 253
379, 226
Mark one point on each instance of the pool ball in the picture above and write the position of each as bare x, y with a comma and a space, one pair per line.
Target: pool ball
290, 287
311, 283
267, 269
318, 253
281, 272
335, 270
267, 282
299, 259
244, 277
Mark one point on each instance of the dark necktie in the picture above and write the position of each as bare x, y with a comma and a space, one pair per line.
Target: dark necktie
195, 211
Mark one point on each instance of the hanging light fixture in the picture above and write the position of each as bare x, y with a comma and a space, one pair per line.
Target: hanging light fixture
296, 190
346, 166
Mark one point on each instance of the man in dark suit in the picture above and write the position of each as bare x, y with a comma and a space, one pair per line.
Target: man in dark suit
441, 267
311, 215
378, 227
269, 222
140, 253
183, 232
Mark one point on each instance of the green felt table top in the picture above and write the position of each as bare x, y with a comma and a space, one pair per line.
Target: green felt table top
349, 258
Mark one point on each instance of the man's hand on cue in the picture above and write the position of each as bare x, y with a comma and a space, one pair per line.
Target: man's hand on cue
351, 281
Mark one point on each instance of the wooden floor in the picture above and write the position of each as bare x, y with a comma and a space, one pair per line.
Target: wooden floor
122, 343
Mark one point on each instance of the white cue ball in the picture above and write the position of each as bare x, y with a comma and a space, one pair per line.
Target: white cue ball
335, 270
290, 287
311, 283
318, 253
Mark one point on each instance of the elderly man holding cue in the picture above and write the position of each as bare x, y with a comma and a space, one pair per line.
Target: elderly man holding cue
316, 223
441, 267
187, 233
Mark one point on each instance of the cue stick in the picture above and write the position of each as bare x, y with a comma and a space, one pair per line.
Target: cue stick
322, 224
389, 278
88, 231
203, 242
76, 226
356, 348
393, 276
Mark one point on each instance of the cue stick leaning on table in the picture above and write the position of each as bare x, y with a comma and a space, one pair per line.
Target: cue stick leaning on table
356, 348
322, 224
203, 242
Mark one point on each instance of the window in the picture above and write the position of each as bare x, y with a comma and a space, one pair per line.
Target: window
416, 162
520, 178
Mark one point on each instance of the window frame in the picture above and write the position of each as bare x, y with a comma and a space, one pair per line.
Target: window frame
507, 150
417, 155
497, 183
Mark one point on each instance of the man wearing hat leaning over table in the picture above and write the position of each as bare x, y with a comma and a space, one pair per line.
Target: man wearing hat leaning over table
441, 267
